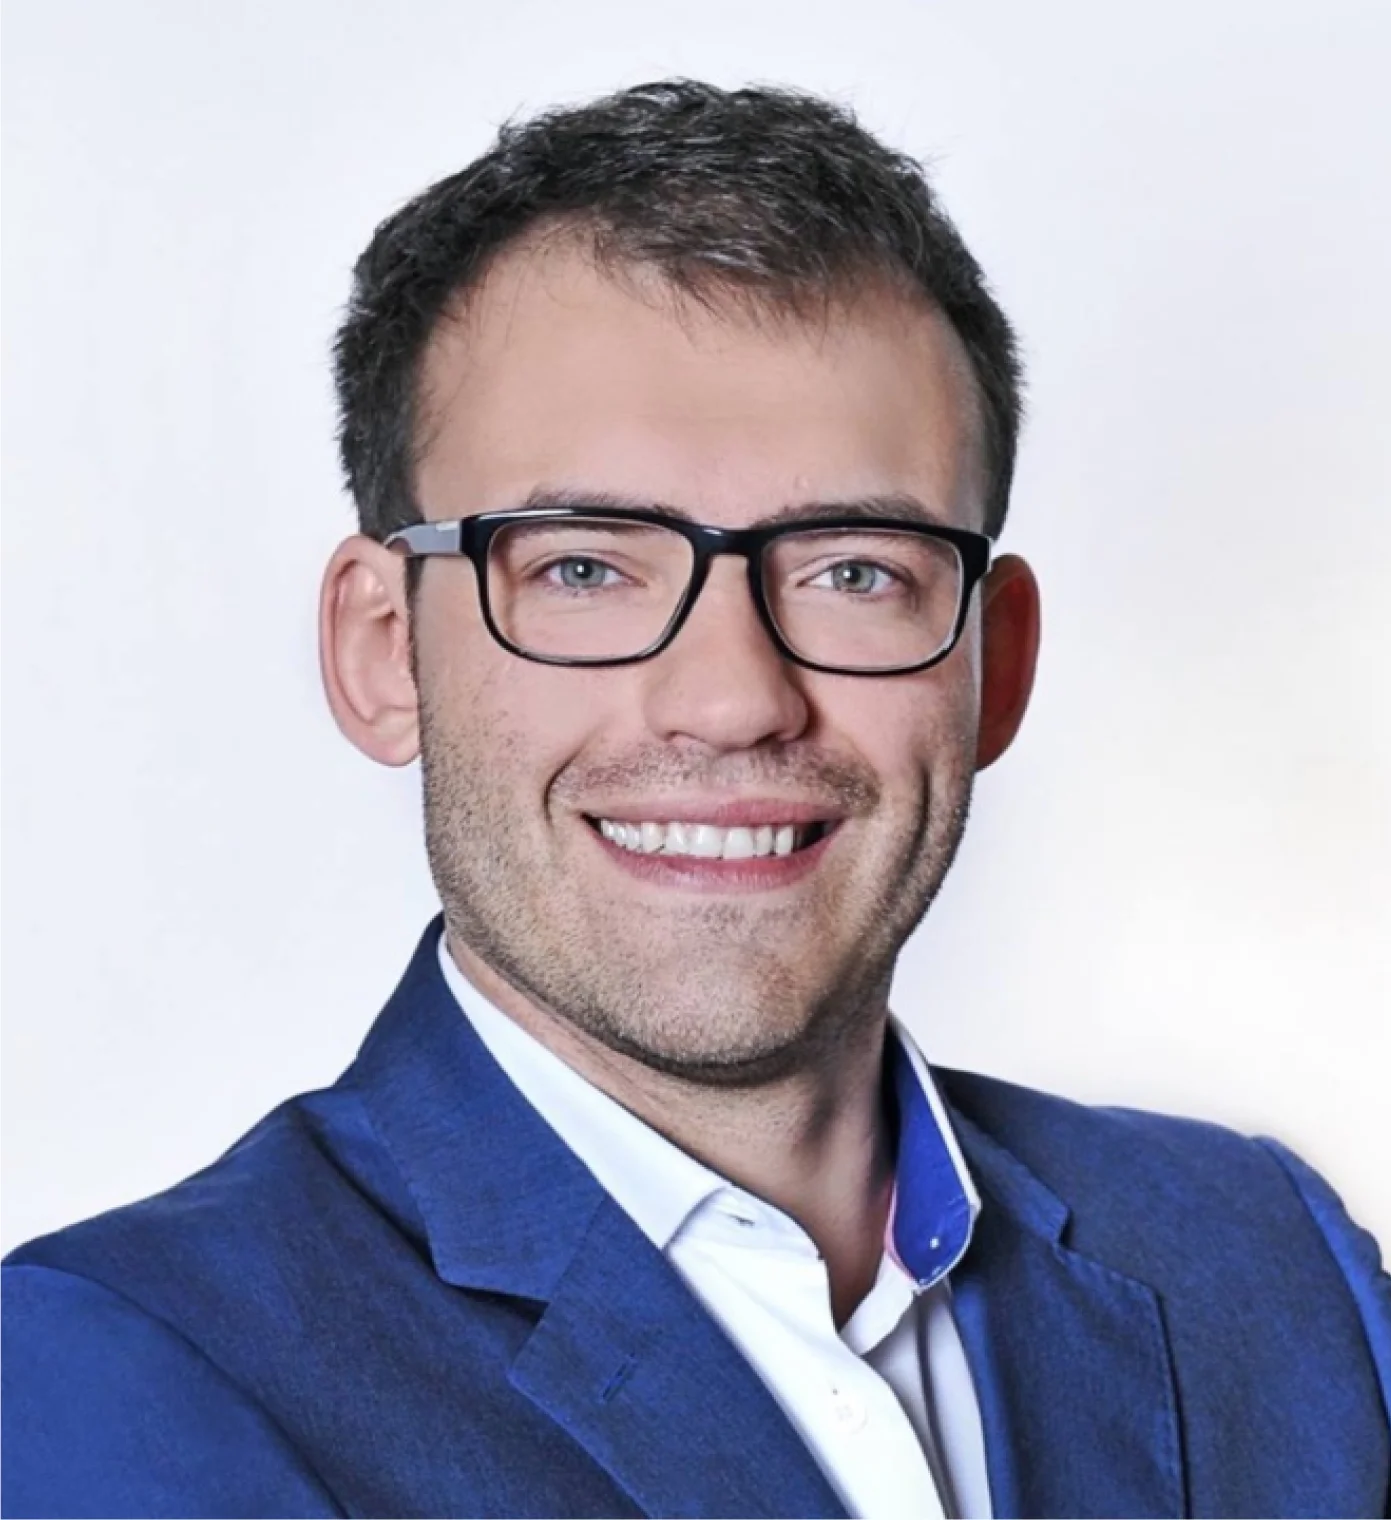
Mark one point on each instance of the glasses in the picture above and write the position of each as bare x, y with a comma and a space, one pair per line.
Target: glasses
612, 586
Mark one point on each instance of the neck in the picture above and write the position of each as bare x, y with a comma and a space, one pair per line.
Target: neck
815, 1144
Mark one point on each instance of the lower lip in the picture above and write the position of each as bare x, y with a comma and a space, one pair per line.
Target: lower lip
761, 874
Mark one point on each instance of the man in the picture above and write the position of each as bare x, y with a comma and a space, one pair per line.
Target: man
681, 426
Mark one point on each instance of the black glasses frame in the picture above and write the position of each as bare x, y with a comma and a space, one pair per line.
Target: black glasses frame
470, 538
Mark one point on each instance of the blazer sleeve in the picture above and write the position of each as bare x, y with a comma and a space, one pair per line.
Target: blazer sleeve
1357, 1256
108, 1411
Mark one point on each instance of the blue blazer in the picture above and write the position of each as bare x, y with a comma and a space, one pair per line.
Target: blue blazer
405, 1296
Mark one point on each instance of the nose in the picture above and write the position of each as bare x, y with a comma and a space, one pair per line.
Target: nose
722, 681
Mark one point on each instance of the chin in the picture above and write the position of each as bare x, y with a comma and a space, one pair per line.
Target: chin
746, 1067
682, 1040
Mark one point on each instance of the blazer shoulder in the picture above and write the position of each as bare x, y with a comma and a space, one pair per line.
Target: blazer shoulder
1087, 1154
1355, 1252
1075, 1146
109, 1411
1158, 1194
250, 1239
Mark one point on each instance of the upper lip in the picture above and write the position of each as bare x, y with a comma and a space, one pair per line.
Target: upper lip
732, 813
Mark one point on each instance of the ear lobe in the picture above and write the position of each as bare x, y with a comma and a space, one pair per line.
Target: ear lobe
364, 651
1010, 629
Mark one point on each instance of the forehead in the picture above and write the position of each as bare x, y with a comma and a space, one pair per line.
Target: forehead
557, 375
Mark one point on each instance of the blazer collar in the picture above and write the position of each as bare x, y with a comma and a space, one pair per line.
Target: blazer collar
624, 1358
504, 1203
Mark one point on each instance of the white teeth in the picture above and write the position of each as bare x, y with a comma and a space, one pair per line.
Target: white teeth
704, 841
738, 844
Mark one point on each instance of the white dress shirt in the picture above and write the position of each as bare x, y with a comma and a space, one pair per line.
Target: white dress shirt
885, 1405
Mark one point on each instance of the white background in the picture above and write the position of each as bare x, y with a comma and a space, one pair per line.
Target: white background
1175, 892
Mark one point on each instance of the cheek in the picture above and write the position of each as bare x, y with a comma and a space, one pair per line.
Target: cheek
914, 728
553, 715
524, 723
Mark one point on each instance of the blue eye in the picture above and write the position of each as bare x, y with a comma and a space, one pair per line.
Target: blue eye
579, 574
856, 576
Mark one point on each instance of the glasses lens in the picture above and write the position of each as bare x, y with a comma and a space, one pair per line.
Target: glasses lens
582, 588
865, 599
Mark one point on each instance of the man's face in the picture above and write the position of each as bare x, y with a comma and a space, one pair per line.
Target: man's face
560, 378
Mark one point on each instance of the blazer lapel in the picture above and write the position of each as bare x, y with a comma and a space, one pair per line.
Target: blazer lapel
632, 1366
1070, 1359
624, 1357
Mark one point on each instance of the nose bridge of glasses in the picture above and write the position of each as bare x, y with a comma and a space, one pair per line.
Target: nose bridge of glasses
713, 544
747, 544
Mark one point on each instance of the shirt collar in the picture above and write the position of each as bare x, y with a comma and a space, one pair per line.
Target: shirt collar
660, 1186
935, 1203
653, 1181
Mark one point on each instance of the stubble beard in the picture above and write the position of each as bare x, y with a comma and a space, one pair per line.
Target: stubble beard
723, 995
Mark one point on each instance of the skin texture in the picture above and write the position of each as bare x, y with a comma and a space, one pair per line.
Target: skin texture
746, 1025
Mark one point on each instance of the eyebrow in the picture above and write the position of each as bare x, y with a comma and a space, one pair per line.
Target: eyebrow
870, 508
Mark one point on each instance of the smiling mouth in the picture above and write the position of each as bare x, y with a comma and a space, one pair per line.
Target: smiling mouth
708, 841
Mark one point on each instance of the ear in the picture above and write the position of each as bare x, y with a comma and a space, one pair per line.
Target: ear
364, 651
1010, 626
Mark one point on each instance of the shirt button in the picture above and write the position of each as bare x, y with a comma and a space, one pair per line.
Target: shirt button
848, 1412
